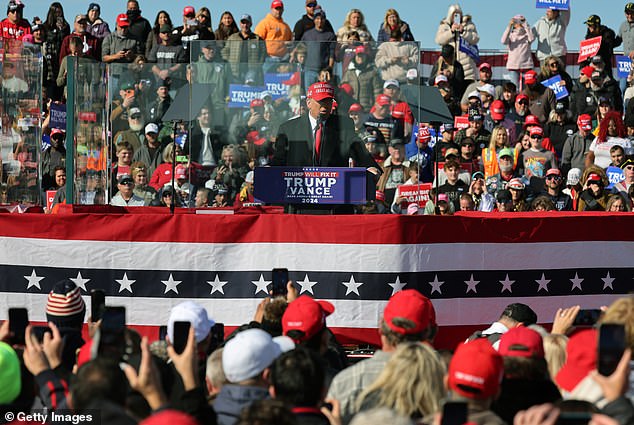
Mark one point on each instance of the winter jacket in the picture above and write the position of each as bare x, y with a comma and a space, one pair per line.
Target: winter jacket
519, 44
444, 36
551, 35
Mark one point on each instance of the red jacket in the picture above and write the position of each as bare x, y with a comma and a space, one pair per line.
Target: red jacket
93, 43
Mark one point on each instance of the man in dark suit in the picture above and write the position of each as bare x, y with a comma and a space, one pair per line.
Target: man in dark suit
320, 138
205, 140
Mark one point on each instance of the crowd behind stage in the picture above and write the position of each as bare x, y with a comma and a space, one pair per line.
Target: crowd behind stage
286, 367
533, 140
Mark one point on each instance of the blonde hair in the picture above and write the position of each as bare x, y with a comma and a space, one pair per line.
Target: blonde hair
388, 13
621, 311
555, 352
411, 382
346, 22
494, 136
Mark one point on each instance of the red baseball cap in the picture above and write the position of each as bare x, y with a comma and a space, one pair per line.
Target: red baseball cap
180, 171
581, 359
531, 120
411, 305
254, 137
521, 342
536, 131
122, 20
294, 80
497, 110
521, 96
475, 370
307, 315
424, 135
189, 11
594, 177
553, 172
320, 91
355, 107
347, 88
587, 71
256, 102
276, 4
584, 121
383, 100
484, 65
55, 131
530, 77
361, 50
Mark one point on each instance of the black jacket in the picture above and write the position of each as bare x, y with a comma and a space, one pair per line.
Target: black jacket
295, 141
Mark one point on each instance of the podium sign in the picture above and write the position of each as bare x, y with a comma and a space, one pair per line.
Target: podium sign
310, 185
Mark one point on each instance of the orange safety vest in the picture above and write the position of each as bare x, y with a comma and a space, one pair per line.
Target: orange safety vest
490, 161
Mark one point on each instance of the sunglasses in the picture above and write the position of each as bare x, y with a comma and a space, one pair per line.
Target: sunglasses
468, 145
127, 183
553, 64
553, 178
523, 102
536, 137
311, 5
135, 116
630, 167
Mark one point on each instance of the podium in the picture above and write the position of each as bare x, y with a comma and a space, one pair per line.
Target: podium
314, 190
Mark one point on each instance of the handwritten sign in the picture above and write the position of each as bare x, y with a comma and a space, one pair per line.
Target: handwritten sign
623, 66
555, 85
589, 48
553, 4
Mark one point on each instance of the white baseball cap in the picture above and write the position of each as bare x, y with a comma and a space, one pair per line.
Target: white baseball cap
194, 313
248, 353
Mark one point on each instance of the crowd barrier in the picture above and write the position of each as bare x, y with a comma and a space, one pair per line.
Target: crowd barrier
470, 266
234, 73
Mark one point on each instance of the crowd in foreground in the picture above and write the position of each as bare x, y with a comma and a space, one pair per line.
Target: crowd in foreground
286, 367
516, 144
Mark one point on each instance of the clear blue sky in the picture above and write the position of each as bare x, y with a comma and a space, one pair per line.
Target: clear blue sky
490, 16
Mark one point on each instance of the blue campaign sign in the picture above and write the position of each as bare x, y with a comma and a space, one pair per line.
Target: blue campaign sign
240, 95
555, 4
615, 175
275, 84
58, 116
310, 185
623, 66
554, 84
470, 49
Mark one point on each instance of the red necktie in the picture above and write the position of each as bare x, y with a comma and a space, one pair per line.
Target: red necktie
318, 140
